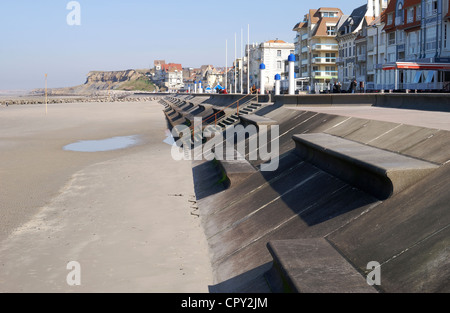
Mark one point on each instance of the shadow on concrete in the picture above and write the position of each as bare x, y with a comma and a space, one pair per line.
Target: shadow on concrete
208, 179
252, 281
269, 108
321, 198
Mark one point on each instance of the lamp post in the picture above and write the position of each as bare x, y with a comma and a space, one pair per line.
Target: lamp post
262, 68
291, 60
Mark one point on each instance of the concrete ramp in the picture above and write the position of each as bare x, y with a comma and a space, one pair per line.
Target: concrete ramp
378, 172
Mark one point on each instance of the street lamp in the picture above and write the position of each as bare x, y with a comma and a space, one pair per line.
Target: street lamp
310, 66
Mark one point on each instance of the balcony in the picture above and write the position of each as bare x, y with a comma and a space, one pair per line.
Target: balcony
305, 74
305, 49
305, 36
325, 74
325, 47
339, 60
324, 60
305, 62
361, 58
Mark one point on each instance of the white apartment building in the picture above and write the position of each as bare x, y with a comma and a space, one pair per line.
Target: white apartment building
273, 54
316, 48
173, 80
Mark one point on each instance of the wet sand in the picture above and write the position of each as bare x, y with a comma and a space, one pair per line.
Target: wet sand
124, 215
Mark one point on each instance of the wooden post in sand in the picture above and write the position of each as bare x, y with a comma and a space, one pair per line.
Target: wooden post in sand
46, 109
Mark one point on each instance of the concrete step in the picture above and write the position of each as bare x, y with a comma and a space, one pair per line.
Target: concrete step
312, 266
257, 120
378, 172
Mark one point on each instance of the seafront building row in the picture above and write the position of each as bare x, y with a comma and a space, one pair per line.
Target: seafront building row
382, 45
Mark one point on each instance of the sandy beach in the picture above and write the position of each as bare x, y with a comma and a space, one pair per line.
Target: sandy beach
123, 215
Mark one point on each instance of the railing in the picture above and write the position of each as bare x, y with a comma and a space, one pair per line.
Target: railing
325, 46
215, 116
325, 73
361, 58
324, 60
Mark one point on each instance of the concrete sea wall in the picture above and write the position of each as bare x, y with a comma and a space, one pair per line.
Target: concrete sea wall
347, 192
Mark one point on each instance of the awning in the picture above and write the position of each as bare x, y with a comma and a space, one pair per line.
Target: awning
417, 66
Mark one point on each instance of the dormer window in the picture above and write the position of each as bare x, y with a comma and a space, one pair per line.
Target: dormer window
390, 19
329, 14
410, 15
331, 30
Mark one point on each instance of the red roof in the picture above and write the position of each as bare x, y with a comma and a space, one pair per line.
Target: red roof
391, 9
448, 14
171, 67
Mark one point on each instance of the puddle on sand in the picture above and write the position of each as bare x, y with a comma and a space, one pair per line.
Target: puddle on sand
109, 144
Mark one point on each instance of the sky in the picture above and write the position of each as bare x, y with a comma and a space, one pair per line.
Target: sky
36, 39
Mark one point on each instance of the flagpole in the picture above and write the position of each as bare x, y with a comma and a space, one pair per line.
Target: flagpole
248, 61
226, 65
242, 61
235, 58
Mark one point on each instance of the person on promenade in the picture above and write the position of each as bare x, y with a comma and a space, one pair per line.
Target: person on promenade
353, 85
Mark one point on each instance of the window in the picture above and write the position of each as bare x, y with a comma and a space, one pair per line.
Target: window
391, 38
331, 30
329, 14
390, 19
279, 65
431, 7
410, 15
431, 38
330, 57
412, 43
392, 57
278, 53
418, 12
446, 42
330, 70
400, 36
400, 15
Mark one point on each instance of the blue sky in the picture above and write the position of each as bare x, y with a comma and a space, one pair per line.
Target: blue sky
120, 35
